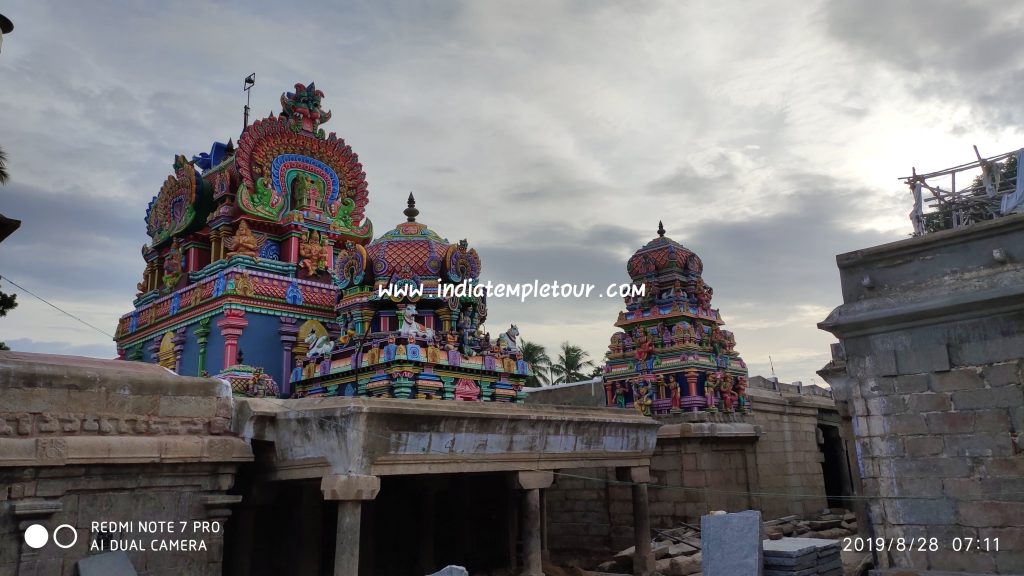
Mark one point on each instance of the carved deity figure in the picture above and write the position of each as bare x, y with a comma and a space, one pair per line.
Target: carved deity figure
390, 349
372, 355
717, 341
703, 294
451, 341
644, 350
676, 395
173, 265
728, 395
743, 402
296, 374
643, 400
620, 395
244, 242
311, 253
433, 352
711, 385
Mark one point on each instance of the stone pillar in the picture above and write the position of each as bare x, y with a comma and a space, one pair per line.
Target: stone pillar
643, 557
290, 248
532, 483
349, 490
153, 347
691, 385
444, 316
329, 254
544, 551
216, 243
202, 335
231, 326
179, 345
289, 334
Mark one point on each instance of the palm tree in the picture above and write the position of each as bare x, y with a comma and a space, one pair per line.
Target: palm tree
537, 357
571, 363
4, 176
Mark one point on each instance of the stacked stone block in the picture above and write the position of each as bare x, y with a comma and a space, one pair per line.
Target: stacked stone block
933, 340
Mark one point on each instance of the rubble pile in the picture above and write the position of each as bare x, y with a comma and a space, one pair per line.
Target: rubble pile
830, 524
676, 553
802, 557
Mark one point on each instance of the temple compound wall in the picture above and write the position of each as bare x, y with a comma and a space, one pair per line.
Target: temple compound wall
930, 370
319, 485
772, 459
85, 440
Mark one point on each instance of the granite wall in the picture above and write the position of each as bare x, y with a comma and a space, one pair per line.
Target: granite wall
769, 460
85, 441
930, 368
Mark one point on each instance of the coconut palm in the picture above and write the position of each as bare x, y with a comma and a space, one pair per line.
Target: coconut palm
571, 364
540, 364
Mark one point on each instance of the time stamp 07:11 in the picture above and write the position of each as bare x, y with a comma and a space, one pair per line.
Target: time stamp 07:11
964, 544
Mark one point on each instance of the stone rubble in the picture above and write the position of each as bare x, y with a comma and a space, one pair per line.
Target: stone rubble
677, 552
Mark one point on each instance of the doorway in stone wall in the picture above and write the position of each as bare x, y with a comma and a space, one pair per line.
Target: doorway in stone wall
834, 467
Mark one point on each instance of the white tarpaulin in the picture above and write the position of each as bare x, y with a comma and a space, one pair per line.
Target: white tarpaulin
1011, 202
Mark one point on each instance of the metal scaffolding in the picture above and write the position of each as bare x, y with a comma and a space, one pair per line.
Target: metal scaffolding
990, 188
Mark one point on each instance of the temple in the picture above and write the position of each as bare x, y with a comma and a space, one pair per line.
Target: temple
261, 270
671, 354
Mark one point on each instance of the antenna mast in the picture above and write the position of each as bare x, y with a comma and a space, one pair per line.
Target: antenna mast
250, 80
772, 364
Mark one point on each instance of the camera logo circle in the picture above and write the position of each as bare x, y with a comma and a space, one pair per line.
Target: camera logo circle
74, 536
36, 536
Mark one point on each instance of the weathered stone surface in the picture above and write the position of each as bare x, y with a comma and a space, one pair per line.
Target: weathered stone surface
731, 544
679, 565
790, 548
823, 524
955, 317
955, 380
791, 571
350, 487
808, 560
106, 564
531, 480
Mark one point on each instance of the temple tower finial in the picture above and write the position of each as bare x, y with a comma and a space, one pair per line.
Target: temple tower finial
411, 212
661, 229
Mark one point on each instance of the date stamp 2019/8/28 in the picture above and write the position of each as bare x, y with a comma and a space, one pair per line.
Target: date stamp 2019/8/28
965, 544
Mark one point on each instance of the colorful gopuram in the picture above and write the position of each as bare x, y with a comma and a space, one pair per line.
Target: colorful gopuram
671, 354
261, 270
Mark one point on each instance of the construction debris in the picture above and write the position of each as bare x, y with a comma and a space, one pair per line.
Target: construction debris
677, 551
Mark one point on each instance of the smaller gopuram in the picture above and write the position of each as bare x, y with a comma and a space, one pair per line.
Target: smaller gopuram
412, 325
671, 354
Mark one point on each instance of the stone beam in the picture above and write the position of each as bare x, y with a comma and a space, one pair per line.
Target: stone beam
350, 487
532, 480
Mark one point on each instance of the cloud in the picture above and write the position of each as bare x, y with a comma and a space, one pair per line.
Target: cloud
552, 135
945, 50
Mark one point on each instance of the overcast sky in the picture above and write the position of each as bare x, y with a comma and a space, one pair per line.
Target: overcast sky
553, 135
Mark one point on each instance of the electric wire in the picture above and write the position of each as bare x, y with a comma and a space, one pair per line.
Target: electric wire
54, 306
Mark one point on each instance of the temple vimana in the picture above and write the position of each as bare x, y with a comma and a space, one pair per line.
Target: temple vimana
265, 386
